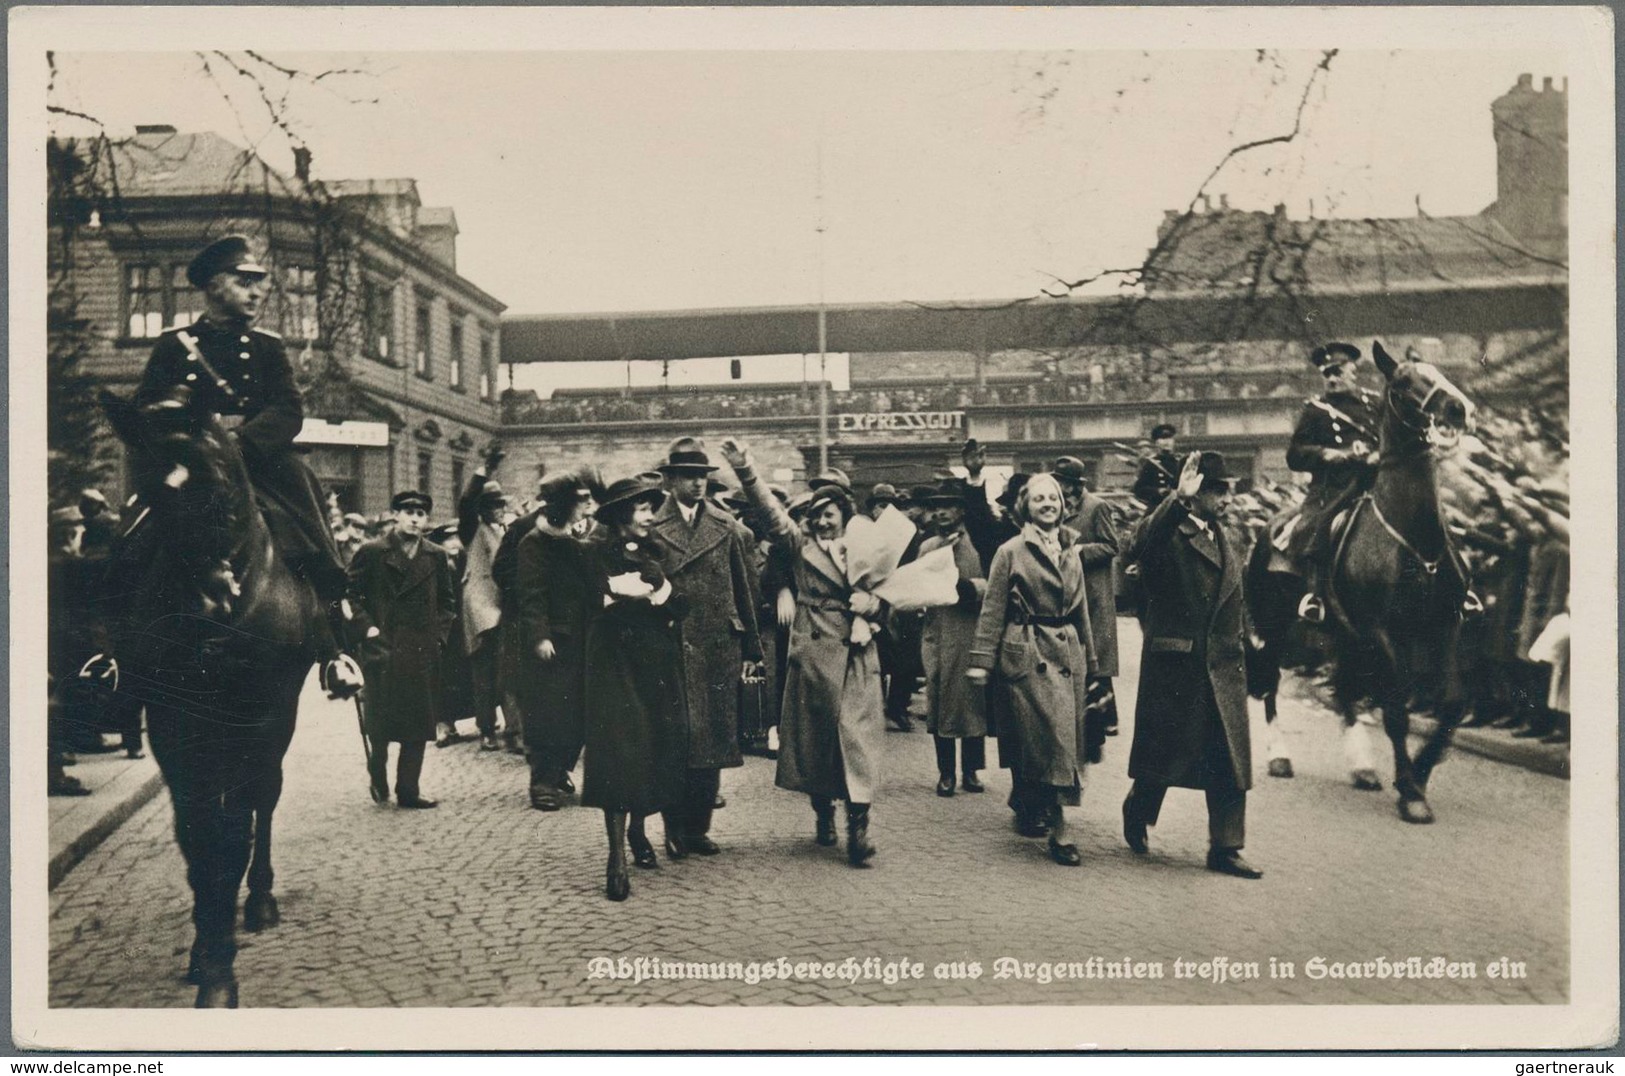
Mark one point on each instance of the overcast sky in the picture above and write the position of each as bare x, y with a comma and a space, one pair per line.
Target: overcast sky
602, 181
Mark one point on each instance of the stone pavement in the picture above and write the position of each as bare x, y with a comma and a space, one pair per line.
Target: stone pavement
485, 902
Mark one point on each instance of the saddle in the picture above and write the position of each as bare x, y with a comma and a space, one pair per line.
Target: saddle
1287, 543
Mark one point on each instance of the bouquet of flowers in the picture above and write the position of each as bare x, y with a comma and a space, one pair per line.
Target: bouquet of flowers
873, 549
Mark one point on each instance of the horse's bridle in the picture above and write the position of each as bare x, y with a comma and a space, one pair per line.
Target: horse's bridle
1427, 426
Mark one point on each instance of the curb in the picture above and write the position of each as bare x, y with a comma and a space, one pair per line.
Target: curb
141, 790
1549, 759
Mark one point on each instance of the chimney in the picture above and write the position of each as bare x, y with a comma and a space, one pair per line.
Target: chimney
1207, 204
301, 164
154, 129
1546, 84
1224, 202
1526, 82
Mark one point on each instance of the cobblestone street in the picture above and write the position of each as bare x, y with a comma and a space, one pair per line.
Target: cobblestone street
485, 902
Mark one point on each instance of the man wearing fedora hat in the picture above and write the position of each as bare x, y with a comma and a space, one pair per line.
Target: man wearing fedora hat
956, 708
706, 557
403, 599
221, 364
1190, 719
480, 529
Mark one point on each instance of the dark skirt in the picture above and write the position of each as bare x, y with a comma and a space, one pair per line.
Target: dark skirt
636, 727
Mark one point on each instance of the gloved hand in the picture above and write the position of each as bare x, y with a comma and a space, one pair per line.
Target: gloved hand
864, 604
630, 585
341, 678
101, 671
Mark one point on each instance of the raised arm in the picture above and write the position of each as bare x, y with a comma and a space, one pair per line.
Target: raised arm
781, 529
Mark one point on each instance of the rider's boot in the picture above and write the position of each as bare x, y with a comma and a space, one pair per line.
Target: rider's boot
1313, 607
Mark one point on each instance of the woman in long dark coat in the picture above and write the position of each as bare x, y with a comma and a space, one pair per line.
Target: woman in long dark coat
1033, 639
831, 724
557, 594
636, 729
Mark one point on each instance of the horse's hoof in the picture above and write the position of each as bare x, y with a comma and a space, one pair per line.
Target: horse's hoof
1416, 812
1280, 767
219, 994
260, 912
1366, 780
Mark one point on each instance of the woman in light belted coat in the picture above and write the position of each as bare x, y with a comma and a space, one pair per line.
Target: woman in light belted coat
1033, 640
831, 720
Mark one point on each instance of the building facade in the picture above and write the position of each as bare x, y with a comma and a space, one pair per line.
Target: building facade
397, 354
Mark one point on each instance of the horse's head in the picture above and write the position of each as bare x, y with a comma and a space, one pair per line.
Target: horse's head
1420, 403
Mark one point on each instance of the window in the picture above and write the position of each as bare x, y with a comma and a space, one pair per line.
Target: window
486, 377
1017, 430
299, 302
1063, 428
157, 296
456, 371
457, 469
425, 471
378, 313
420, 342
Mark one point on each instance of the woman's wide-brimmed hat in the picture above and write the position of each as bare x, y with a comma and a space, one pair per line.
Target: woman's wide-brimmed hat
626, 490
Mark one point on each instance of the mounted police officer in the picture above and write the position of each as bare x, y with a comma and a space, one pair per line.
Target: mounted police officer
1336, 442
221, 364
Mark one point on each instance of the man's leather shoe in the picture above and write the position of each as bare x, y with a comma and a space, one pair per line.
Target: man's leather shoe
1029, 826
544, 798
1229, 861
971, 784
66, 786
448, 736
379, 792
567, 786
643, 853
1134, 833
488, 742
416, 803
676, 848
701, 845
945, 786
1066, 855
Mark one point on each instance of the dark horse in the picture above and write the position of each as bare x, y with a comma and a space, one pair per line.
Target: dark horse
1395, 589
213, 634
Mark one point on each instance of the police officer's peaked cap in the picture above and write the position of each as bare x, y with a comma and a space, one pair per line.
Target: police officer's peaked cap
1334, 354
230, 254
411, 498
1161, 430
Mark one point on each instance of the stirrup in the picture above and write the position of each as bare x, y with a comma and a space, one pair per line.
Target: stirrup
1472, 606
1312, 609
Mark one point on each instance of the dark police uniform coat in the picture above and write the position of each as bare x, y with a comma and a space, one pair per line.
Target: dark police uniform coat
259, 387
709, 565
412, 601
1330, 423
1190, 720
1157, 478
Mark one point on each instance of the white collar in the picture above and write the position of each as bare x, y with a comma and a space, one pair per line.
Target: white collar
689, 511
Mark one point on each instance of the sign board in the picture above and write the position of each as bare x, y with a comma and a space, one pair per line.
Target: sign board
318, 431
901, 420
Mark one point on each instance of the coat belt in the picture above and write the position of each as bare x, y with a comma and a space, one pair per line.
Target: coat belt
1042, 621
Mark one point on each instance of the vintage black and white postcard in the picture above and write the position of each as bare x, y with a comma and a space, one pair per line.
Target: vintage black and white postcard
831, 528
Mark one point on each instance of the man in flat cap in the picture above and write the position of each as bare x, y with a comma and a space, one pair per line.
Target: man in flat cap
1335, 441
480, 529
706, 556
1159, 471
403, 598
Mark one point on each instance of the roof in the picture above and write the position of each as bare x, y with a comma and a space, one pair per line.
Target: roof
347, 188
1432, 307
181, 165
437, 217
1236, 249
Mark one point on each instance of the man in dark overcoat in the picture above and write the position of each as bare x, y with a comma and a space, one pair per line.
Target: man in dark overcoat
1190, 721
705, 557
403, 603
1097, 545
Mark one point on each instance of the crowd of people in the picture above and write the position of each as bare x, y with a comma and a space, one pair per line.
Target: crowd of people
611, 406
